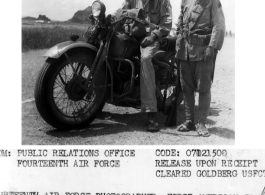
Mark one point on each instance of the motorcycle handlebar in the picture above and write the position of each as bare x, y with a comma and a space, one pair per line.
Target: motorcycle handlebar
136, 19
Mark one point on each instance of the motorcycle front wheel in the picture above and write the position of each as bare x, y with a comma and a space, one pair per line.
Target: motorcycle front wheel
59, 97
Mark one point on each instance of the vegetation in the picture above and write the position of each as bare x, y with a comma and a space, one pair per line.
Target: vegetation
46, 36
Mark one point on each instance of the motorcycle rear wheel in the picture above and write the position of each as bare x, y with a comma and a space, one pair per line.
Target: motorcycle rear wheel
60, 99
170, 95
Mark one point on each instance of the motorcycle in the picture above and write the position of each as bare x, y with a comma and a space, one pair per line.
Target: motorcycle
79, 77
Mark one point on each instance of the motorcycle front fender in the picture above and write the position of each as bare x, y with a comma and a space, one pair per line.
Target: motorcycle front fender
59, 49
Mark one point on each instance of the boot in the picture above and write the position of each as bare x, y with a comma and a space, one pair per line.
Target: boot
152, 124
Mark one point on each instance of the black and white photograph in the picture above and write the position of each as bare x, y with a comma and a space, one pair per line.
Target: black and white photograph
132, 97
128, 72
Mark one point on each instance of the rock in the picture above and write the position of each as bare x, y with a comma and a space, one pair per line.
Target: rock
44, 18
81, 16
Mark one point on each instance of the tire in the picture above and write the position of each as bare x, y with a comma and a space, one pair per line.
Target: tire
60, 100
160, 97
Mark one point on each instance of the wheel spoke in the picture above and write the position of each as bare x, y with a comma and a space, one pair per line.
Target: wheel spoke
61, 99
80, 69
58, 85
61, 78
74, 107
58, 95
87, 101
86, 71
66, 107
58, 90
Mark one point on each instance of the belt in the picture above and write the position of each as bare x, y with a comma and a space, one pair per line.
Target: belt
187, 31
200, 37
201, 40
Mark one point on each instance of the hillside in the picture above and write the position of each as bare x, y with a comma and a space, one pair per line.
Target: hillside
81, 16
28, 18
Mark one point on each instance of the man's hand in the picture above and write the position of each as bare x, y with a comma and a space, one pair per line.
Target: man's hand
209, 53
148, 40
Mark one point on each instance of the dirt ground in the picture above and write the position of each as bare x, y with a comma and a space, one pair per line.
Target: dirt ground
126, 126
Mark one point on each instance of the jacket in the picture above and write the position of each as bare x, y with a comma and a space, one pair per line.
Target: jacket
158, 12
204, 15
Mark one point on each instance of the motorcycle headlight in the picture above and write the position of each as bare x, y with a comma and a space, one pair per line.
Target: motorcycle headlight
98, 9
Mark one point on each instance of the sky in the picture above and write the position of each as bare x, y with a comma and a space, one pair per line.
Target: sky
63, 10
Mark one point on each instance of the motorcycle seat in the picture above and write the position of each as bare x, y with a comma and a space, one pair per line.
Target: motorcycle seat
168, 43
167, 49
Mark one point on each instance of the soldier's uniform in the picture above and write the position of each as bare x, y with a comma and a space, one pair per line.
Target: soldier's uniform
159, 13
201, 24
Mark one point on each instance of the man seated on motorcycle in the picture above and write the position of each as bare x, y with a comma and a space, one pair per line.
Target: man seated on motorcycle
159, 13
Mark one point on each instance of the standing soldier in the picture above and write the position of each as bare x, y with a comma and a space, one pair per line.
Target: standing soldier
157, 12
201, 31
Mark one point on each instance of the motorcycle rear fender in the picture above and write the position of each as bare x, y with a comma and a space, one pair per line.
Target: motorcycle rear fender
58, 50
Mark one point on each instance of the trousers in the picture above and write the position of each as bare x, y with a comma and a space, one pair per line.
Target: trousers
196, 76
147, 78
